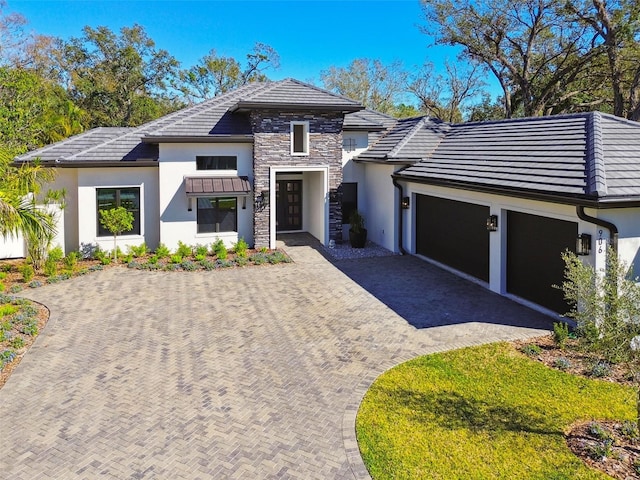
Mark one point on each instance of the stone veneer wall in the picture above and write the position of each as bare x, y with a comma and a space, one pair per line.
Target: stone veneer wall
272, 147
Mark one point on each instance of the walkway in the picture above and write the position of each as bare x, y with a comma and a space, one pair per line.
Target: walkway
245, 373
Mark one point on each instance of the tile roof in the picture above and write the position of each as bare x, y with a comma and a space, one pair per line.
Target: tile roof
368, 120
591, 155
407, 141
207, 121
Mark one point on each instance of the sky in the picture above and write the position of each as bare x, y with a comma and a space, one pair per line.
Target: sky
309, 35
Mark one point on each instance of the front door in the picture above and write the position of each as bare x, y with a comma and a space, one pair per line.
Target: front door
288, 205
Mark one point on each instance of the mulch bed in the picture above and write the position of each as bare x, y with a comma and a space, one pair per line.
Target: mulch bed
609, 446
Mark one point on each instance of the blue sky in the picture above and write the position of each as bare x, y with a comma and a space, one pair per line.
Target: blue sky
309, 35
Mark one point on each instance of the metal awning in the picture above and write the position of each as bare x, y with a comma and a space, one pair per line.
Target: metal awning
216, 186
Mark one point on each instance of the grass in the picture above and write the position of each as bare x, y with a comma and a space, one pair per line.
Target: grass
481, 413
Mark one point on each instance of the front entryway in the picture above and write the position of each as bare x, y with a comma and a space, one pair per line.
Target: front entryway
288, 205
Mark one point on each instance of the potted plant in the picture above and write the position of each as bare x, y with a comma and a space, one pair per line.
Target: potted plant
357, 232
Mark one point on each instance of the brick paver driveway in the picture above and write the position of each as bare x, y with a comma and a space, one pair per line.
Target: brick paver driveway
245, 373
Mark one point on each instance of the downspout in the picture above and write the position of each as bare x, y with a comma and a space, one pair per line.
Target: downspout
613, 230
400, 216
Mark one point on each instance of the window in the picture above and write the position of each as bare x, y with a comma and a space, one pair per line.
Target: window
216, 163
129, 198
300, 138
349, 144
217, 214
349, 200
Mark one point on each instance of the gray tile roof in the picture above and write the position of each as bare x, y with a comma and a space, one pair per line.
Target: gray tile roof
208, 121
592, 155
368, 120
407, 141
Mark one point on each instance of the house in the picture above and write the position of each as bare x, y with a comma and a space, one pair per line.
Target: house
495, 201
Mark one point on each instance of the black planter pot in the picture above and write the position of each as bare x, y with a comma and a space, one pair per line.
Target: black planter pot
358, 240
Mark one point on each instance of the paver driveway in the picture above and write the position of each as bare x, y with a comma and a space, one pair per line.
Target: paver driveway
245, 373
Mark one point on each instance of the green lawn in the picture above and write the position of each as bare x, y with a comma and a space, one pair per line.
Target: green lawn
481, 413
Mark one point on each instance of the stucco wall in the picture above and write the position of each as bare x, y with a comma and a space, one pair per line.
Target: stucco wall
67, 179
177, 223
146, 178
379, 205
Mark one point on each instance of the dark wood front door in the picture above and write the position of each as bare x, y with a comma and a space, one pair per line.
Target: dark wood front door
288, 205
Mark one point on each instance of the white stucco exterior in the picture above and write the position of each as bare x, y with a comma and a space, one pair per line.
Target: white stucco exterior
177, 222
380, 206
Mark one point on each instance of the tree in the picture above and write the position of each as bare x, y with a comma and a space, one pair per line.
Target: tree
375, 85
616, 26
487, 109
528, 45
118, 79
444, 97
116, 220
19, 213
31, 108
214, 74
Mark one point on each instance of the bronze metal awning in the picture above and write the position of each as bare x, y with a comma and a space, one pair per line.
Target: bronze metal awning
216, 186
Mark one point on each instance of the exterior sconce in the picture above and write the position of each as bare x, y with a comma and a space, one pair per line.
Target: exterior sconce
262, 200
492, 223
583, 244
405, 202
244, 202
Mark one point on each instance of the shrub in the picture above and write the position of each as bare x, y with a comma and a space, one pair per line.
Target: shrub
629, 429
176, 259
50, 267
2, 287
56, 254
240, 248
201, 250
183, 250
27, 272
189, 266
139, 251
600, 369
35, 284
71, 260
207, 264
6, 267
153, 259
263, 250
30, 328
560, 333
278, 257
162, 251
241, 261
3, 275
562, 363
604, 304
16, 342
531, 350
259, 258
199, 258
221, 263
601, 450
15, 288
220, 250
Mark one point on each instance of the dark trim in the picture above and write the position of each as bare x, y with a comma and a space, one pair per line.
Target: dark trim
613, 230
363, 129
296, 107
247, 138
88, 164
386, 161
401, 215
618, 202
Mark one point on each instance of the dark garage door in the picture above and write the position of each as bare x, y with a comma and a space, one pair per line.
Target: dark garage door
453, 233
534, 245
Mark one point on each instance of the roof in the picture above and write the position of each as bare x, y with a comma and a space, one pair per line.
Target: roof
213, 120
367, 120
589, 156
201, 186
407, 141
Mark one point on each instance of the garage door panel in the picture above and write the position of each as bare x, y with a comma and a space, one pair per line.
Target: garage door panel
453, 233
534, 262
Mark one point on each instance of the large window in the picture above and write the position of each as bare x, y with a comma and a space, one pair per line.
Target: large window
216, 163
129, 198
217, 214
349, 200
300, 138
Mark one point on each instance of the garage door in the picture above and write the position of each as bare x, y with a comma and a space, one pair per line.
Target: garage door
454, 233
534, 245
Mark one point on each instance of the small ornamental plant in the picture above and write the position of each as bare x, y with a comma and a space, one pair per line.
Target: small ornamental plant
116, 221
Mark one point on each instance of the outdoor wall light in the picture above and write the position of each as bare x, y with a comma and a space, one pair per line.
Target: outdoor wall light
405, 202
492, 223
583, 244
262, 200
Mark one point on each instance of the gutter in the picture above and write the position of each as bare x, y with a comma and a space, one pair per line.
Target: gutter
400, 216
613, 230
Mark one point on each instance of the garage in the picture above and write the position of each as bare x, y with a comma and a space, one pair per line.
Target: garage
453, 233
534, 264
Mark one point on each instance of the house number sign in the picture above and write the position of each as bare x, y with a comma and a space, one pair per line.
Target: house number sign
600, 241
